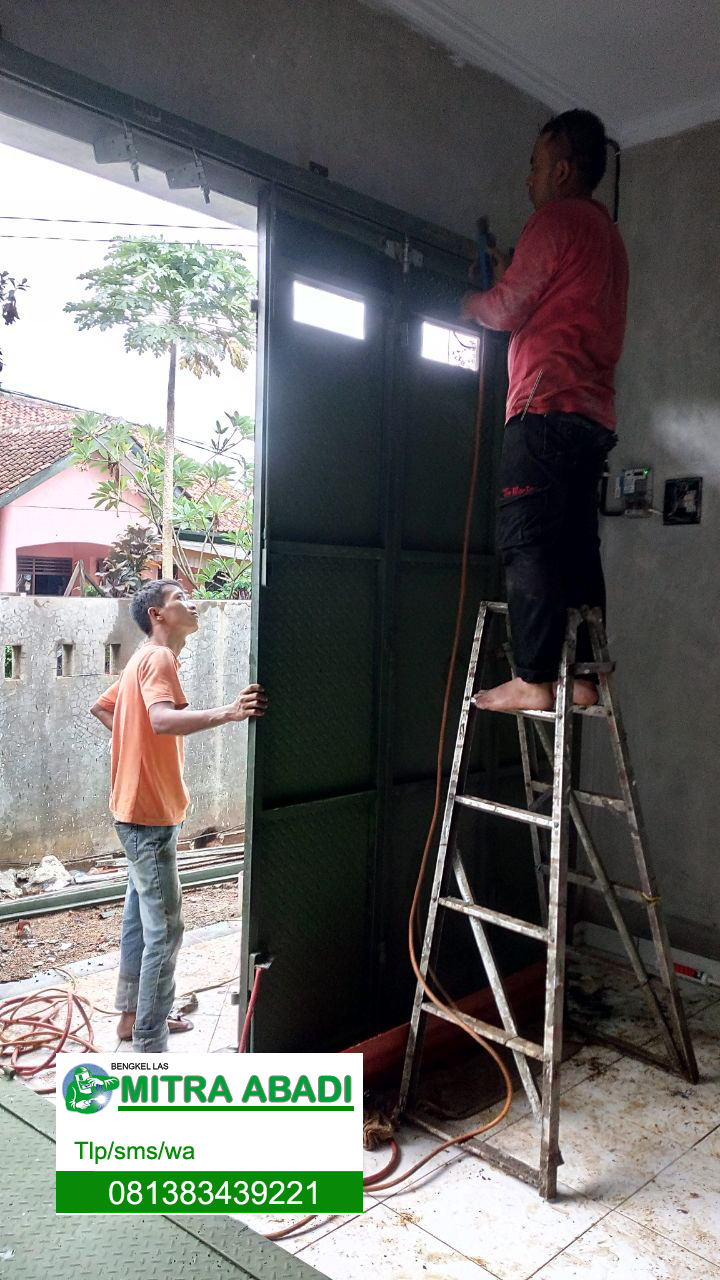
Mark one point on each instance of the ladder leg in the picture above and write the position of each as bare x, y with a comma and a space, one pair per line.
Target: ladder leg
496, 984
613, 906
413, 1052
628, 789
528, 756
557, 917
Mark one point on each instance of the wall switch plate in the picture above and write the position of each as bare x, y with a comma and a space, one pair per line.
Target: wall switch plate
683, 500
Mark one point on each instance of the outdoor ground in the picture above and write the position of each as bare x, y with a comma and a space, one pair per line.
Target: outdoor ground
44, 942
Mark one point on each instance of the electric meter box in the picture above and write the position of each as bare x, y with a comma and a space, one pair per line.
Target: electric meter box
634, 487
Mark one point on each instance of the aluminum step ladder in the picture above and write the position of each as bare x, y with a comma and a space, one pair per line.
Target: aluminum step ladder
550, 835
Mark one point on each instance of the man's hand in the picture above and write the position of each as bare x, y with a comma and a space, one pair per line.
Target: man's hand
499, 261
250, 704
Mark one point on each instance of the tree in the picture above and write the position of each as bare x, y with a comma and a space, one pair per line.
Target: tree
190, 303
9, 289
204, 496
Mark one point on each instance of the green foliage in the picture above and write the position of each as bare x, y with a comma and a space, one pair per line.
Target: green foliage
9, 289
132, 459
194, 297
128, 557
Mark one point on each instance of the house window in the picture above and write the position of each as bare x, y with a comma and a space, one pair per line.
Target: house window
43, 575
325, 309
449, 346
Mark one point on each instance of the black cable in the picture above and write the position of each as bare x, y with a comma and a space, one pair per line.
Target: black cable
117, 222
616, 197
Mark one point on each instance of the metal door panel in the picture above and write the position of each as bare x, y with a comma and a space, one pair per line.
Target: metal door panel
363, 467
320, 613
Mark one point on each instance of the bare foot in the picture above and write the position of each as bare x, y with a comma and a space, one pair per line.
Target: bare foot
585, 693
125, 1025
515, 695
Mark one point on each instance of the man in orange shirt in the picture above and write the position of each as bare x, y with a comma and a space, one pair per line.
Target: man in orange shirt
148, 716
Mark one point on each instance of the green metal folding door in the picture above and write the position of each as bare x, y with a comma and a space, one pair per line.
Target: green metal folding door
363, 461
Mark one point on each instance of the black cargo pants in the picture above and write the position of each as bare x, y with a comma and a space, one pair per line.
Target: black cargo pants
548, 533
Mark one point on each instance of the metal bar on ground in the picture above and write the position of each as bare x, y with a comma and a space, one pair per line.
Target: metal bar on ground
499, 1159
113, 890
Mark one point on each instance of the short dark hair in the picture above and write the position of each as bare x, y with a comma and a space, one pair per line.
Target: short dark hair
585, 136
151, 595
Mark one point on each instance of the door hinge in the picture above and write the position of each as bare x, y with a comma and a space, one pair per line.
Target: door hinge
401, 251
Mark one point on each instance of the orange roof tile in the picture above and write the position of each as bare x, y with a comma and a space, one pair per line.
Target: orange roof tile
34, 434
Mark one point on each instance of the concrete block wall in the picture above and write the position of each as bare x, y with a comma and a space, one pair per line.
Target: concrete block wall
54, 756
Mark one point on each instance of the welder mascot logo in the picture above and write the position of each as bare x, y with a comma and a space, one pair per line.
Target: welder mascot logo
88, 1089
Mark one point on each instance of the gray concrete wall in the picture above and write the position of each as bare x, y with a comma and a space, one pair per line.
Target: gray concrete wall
664, 583
54, 756
332, 81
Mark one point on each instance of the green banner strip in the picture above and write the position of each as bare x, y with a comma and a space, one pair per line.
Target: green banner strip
215, 1191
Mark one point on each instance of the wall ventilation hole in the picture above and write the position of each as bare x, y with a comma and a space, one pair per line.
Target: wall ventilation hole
63, 659
11, 661
112, 659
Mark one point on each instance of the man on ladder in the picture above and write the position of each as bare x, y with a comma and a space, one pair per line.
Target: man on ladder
564, 297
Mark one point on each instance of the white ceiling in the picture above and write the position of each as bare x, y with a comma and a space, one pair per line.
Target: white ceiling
650, 68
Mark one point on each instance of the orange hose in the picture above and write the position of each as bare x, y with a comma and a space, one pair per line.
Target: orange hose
447, 1005
52, 1019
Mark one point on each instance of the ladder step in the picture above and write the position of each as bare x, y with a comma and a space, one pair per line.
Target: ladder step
592, 668
504, 811
586, 797
516, 1043
496, 917
597, 710
589, 882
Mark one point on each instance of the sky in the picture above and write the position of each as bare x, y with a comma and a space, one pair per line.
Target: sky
44, 353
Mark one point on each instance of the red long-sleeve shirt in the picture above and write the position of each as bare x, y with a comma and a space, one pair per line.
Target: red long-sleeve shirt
564, 296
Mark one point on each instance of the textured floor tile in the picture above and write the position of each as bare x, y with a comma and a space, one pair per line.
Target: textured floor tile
388, 1246
493, 1218
683, 1202
616, 1249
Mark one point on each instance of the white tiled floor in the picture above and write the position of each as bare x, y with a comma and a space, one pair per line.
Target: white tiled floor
640, 1186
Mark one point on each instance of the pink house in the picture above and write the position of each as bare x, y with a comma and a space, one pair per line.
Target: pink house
48, 519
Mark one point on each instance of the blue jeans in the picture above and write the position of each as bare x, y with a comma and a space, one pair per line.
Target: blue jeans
152, 931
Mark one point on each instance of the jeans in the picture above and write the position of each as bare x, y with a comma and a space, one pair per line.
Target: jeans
152, 931
548, 533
